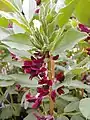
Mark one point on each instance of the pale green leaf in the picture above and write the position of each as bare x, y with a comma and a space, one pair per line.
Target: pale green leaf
17, 29
6, 83
30, 117
5, 77
73, 106
65, 13
62, 118
84, 107
24, 80
69, 40
18, 46
4, 33
77, 117
19, 38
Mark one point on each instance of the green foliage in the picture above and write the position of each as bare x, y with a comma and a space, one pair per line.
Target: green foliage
84, 107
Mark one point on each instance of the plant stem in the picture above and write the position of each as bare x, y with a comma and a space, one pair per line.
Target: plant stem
51, 77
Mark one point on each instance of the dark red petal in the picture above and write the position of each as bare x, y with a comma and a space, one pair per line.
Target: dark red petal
27, 70
55, 57
88, 49
38, 2
53, 95
37, 103
60, 91
83, 28
18, 86
88, 52
49, 82
27, 63
43, 69
32, 58
28, 96
60, 76
37, 11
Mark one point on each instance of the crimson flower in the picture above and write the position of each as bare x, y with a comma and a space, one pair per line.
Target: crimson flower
60, 76
30, 98
55, 57
53, 95
37, 103
36, 100
18, 87
60, 90
83, 28
43, 91
37, 11
44, 80
34, 67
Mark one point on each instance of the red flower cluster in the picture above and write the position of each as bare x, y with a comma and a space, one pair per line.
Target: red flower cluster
35, 100
37, 67
34, 67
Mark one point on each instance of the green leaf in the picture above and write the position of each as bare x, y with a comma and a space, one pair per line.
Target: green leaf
30, 117
6, 113
69, 40
16, 109
60, 105
16, 63
17, 29
78, 84
20, 53
19, 38
6, 83
5, 77
69, 98
4, 33
15, 18
84, 107
82, 12
3, 22
15, 45
17, 4
62, 118
73, 106
10, 5
4, 7
65, 13
24, 80
77, 117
